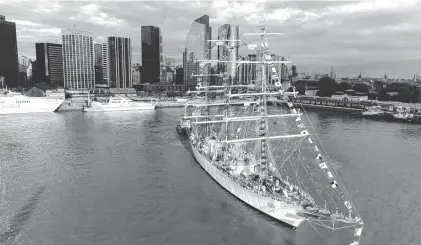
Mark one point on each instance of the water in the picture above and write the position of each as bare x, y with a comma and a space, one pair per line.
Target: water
124, 178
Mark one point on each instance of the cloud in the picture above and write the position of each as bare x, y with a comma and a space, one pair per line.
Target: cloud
225, 11
27, 23
92, 13
285, 14
372, 6
372, 37
44, 7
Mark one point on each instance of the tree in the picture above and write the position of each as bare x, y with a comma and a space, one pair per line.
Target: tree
343, 86
378, 84
361, 87
327, 86
300, 86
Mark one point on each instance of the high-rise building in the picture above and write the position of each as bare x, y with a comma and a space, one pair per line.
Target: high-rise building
136, 76
136, 73
294, 71
105, 67
230, 53
184, 58
247, 71
332, 72
98, 53
170, 62
163, 69
98, 63
78, 59
49, 63
9, 63
119, 62
196, 48
151, 54
179, 74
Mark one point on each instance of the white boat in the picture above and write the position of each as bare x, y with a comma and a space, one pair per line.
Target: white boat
119, 104
403, 114
184, 127
373, 111
16, 103
264, 155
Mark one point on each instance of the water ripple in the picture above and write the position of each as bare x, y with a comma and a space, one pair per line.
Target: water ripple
129, 178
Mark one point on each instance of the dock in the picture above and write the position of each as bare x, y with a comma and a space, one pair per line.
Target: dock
389, 108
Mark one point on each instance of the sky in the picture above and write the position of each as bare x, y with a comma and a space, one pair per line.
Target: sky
371, 37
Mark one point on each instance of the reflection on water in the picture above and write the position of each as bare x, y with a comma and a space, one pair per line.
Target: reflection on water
126, 178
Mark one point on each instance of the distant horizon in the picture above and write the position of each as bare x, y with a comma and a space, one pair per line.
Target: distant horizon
375, 39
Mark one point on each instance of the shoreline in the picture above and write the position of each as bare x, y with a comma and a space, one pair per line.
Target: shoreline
354, 108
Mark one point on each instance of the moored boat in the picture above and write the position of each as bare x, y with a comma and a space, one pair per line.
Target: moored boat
265, 155
18, 103
373, 111
184, 127
118, 104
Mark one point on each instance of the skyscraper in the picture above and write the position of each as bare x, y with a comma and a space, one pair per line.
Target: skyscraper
78, 59
151, 54
119, 62
247, 71
9, 63
105, 69
170, 62
98, 62
163, 70
49, 63
294, 71
332, 72
179, 75
196, 48
98, 53
228, 32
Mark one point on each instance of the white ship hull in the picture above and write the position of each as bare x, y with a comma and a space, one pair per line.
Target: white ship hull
130, 107
23, 104
276, 209
371, 113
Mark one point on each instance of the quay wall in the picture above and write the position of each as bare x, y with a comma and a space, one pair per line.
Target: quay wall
351, 106
331, 104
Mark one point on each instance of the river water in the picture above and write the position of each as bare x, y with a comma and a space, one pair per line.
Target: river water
125, 178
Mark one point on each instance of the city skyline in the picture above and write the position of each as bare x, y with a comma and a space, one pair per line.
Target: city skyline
374, 39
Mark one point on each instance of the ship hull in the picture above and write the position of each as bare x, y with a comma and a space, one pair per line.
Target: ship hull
139, 107
277, 210
28, 105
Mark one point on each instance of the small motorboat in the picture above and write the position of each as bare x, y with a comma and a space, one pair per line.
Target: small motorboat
184, 126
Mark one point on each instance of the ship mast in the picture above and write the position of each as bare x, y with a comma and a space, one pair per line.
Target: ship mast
263, 106
262, 53
270, 86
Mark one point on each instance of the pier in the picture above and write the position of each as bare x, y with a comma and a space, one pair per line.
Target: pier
331, 104
389, 108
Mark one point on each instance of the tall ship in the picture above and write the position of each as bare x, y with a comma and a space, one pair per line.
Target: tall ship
17, 103
249, 137
118, 104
